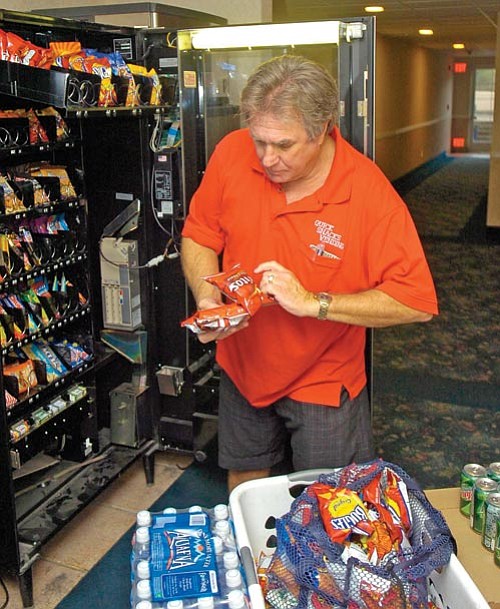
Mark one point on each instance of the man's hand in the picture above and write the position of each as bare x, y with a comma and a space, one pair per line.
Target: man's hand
211, 335
287, 290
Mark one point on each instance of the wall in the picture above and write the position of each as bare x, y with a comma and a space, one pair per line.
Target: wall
493, 209
412, 105
256, 11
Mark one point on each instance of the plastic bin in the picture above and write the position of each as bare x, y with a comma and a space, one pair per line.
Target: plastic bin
253, 503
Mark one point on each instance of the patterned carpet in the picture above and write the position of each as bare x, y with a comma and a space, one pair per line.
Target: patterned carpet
437, 385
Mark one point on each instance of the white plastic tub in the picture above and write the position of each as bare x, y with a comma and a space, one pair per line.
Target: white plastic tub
253, 502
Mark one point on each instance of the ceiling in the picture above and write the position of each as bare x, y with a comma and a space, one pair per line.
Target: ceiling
473, 22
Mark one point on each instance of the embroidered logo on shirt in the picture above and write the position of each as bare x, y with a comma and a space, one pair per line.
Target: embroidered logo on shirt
319, 250
327, 236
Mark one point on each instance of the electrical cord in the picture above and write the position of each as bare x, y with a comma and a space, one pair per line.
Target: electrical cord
155, 261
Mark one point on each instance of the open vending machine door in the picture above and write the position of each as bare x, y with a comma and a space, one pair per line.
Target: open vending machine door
215, 63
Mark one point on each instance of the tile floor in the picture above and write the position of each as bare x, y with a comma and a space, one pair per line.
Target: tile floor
75, 549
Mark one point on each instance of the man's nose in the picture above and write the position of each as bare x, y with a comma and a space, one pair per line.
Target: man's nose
269, 156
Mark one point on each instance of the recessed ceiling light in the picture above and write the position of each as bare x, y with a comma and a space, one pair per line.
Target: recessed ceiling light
426, 32
374, 9
458, 45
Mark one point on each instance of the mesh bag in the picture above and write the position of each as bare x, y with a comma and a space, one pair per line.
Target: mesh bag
308, 569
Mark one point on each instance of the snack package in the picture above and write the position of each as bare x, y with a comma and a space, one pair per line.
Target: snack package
149, 90
9, 201
62, 129
217, 318
37, 132
343, 513
239, 286
16, 49
64, 49
57, 171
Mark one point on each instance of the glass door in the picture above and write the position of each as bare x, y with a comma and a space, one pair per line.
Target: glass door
214, 65
484, 103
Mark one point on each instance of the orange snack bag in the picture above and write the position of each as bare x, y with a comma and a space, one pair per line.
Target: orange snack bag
342, 512
217, 318
239, 286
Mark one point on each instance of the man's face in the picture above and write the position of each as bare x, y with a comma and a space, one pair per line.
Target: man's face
284, 148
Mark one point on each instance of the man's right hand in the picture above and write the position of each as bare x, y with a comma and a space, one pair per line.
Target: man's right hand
223, 333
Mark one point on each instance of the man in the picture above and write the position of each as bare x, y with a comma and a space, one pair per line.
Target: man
325, 234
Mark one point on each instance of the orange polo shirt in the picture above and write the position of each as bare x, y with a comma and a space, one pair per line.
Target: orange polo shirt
355, 233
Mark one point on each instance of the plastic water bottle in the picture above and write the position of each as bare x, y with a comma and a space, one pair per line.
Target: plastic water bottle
230, 560
233, 579
143, 518
143, 590
144, 605
177, 604
194, 509
236, 599
206, 602
141, 544
223, 530
220, 512
142, 570
170, 510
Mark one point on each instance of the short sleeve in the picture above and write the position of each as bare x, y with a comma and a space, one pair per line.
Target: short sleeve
398, 265
203, 220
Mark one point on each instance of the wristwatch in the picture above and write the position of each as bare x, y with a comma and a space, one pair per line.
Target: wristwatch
324, 300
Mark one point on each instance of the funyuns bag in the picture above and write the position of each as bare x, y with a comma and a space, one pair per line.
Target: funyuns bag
308, 570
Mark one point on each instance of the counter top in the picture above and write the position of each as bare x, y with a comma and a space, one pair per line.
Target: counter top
475, 558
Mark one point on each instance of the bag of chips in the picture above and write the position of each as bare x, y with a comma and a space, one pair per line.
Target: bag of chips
239, 286
217, 318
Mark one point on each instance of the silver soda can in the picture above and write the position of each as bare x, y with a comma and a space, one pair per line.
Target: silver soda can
483, 487
491, 516
493, 471
469, 474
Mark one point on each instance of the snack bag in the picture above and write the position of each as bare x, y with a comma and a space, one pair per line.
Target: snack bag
217, 318
37, 132
57, 171
9, 201
62, 129
342, 512
239, 286
63, 49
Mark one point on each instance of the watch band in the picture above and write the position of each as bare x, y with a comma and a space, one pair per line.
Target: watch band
324, 300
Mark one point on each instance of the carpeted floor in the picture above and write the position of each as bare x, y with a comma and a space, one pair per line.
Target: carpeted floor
437, 385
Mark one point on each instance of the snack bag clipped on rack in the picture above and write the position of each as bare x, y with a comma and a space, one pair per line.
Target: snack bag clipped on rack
149, 91
56, 171
62, 129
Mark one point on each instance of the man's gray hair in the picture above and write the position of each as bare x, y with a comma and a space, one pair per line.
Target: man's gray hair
292, 87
